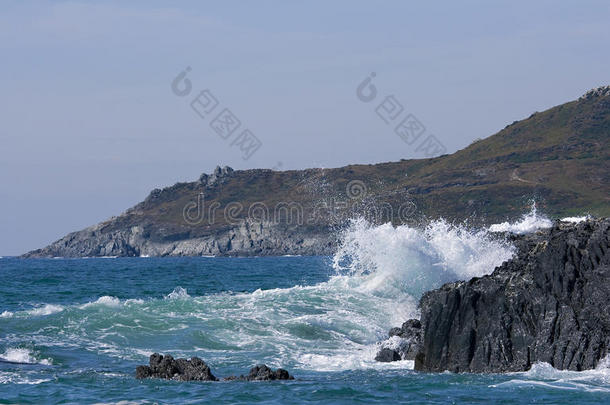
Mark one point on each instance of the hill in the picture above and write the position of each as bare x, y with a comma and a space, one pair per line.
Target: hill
559, 157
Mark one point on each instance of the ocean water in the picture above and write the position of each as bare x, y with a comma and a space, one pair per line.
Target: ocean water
73, 330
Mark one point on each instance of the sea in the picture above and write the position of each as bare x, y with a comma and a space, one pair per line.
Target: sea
72, 331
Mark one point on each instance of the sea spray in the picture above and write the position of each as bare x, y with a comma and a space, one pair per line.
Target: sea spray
530, 222
394, 260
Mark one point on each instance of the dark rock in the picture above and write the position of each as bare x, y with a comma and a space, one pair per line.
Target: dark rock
195, 369
551, 303
169, 368
263, 373
387, 355
409, 335
143, 372
411, 329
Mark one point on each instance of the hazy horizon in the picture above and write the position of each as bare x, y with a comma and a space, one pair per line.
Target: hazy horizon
91, 123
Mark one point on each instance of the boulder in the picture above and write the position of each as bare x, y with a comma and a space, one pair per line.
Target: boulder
386, 355
263, 373
403, 342
167, 367
195, 369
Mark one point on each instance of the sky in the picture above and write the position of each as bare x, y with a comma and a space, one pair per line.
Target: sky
91, 120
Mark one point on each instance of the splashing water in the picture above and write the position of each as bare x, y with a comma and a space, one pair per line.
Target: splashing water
21, 355
313, 316
530, 222
398, 260
576, 220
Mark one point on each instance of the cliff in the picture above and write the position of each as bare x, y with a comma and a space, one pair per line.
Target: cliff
551, 303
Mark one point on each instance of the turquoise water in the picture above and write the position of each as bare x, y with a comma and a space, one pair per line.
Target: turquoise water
83, 325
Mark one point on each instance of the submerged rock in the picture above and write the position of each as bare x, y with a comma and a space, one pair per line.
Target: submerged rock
550, 303
169, 368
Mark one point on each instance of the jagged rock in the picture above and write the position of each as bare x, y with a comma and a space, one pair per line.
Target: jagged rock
219, 175
411, 329
169, 368
601, 91
551, 303
403, 342
263, 373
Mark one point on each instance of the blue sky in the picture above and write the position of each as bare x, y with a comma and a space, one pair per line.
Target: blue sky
90, 124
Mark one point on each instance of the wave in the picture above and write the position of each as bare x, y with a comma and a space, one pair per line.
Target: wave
46, 309
179, 293
530, 222
545, 375
19, 378
22, 356
380, 272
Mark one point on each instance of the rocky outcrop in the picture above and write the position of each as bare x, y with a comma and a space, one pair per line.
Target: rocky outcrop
262, 373
168, 368
403, 343
195, 369
602, 91
218, 176
551, 303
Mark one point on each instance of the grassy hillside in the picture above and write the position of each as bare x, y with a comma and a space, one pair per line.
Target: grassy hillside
559, 157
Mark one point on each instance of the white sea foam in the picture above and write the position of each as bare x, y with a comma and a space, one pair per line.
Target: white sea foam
17, 378
6, 314
530, 222
21, 355
179, 293
576, 220
105, 300
47, 309
362, 358
545, 375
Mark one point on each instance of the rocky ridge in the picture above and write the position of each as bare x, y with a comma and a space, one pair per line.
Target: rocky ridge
550, 303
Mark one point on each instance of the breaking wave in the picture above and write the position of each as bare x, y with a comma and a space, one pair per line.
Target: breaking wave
414, 261
546, 376
380, 273
22, 356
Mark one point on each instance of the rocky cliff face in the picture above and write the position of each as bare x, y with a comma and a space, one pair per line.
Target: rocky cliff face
551, 303
250, 238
